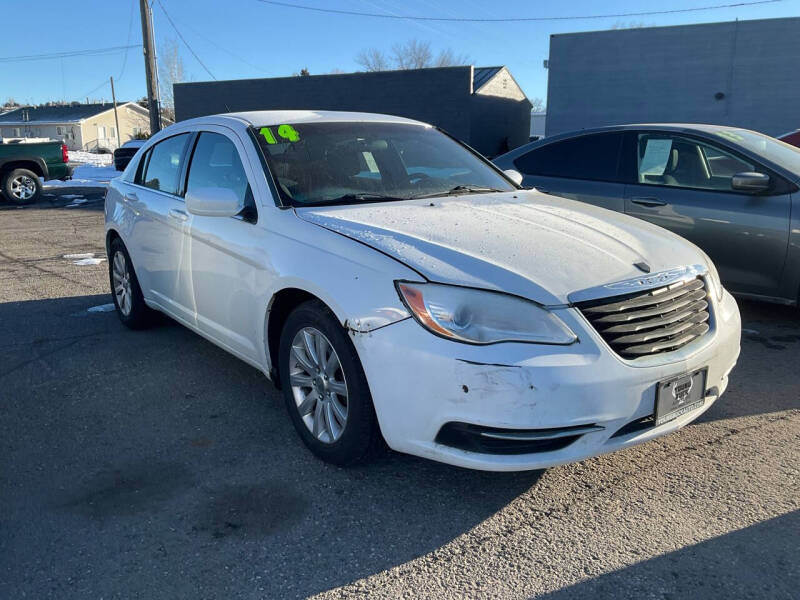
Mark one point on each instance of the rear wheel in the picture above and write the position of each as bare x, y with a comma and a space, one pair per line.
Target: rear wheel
127, 294
324, 386
22, 186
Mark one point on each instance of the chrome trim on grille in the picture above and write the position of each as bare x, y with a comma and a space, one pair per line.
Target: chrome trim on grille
638, 284
651, 321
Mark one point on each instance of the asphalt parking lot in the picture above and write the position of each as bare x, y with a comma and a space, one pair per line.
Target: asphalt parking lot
154, 465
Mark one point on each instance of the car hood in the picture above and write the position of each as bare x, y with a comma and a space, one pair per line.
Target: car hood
526, 243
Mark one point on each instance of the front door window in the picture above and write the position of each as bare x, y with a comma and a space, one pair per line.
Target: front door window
678, 161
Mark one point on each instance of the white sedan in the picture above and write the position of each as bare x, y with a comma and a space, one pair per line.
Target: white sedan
395, 285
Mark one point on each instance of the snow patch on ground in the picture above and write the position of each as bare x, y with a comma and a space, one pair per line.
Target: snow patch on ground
84, 259
88, 261
101, 308
93, 170
90, 158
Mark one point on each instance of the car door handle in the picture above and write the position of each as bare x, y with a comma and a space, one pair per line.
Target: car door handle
648, 201
131, 196
178, 214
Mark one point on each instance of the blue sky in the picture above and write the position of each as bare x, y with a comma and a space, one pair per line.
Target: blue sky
252, 39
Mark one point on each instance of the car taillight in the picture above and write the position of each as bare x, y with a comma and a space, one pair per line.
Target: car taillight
64, 153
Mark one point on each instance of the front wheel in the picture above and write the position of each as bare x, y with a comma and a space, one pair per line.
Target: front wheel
324, 386
22, 186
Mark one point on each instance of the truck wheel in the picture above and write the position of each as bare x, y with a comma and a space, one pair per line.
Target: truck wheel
21, 186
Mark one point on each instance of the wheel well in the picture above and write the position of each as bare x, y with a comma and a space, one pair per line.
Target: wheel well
21, 164
283, 303
110, 237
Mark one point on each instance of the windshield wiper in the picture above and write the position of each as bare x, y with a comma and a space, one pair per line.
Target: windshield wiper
461, 189
359, 197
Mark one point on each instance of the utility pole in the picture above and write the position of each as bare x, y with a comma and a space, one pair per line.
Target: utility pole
149, 49
116, 116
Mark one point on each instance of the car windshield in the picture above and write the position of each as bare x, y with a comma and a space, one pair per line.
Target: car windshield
782, 154
351, 162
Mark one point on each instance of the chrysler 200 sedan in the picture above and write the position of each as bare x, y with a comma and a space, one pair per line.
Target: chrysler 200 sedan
395, 284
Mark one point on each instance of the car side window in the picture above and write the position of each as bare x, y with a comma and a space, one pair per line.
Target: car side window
216, 164
164, 163
138, 178
594, 157
678, 161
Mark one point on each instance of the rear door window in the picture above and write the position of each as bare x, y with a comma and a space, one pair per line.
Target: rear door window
164, 164
594, 157
138, 178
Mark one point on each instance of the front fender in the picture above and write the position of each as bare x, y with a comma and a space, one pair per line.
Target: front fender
355, 281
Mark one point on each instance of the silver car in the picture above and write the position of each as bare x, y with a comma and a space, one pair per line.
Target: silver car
731, 191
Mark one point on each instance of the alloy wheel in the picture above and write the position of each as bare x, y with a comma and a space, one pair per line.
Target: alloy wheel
318, 385
23, 187
122, 283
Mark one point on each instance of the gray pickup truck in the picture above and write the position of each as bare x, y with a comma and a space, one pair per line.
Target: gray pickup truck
23, 164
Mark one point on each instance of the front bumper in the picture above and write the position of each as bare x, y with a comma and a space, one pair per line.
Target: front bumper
420, 382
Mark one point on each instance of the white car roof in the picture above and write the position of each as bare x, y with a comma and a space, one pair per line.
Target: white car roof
278, 117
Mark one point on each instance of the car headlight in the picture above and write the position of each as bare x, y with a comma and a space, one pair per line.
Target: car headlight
481, 317
713, 276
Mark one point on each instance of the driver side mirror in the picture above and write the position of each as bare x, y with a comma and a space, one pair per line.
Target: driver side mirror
213, 202
514, 176
749, 181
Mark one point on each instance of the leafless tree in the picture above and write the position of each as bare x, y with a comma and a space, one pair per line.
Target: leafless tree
413, 54
372, 59
537, 105
631, 25
170, 72
448, 58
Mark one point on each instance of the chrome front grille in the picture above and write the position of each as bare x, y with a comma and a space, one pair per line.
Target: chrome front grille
652, 322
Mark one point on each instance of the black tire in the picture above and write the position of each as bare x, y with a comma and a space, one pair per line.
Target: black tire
19, 183
360, 434
139, 315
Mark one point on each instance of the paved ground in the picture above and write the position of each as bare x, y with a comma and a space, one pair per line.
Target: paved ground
153, 465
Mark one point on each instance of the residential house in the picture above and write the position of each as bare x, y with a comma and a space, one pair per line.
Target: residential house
80, 126
482, 106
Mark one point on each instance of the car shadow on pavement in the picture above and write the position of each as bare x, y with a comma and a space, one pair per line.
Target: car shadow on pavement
147, 453
749, 563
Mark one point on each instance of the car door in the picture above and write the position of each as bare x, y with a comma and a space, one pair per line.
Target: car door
226, 252
584, 168
159, 243
684, 183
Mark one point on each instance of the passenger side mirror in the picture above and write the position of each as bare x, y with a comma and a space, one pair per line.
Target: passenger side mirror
750, 182
213, 202
514, 176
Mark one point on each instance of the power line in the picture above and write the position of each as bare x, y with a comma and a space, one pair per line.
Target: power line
514, 19
93, 90
223, 48
66, 54
185, 43
130, 29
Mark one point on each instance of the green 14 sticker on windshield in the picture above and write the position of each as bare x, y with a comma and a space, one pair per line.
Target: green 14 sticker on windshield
286, 133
